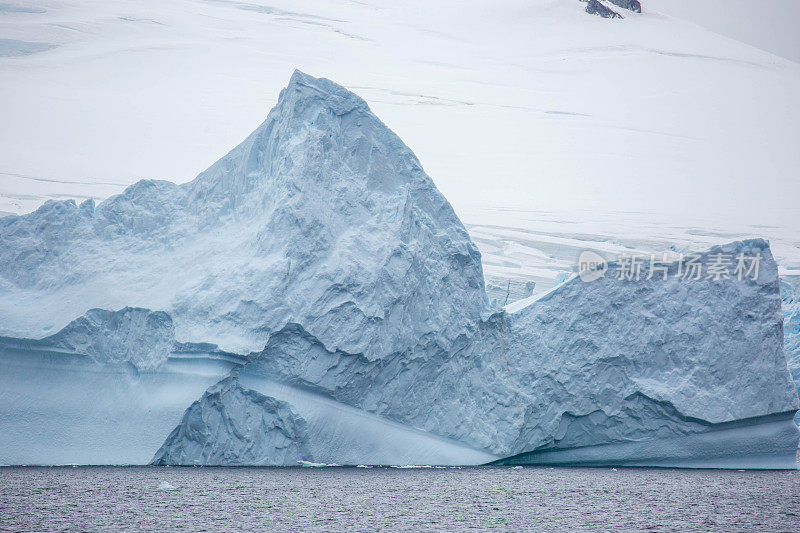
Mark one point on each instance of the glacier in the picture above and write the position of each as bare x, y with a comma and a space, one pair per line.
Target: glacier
313, 297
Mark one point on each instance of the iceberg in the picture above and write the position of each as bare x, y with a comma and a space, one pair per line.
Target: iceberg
312, 298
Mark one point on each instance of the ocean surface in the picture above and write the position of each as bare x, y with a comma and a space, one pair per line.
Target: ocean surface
389, 499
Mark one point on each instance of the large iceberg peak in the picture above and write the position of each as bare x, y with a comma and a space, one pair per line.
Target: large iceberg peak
320, 138
367, 240
322, 217
305, 89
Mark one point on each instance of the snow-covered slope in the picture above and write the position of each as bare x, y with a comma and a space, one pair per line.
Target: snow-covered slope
320, 245
525, 103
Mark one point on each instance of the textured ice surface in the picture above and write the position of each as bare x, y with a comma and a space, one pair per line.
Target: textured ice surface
231, 425
790, 296
611, 365
345, 435
608, 361
764, 442
322, 216
132, 335
695, 351
320, 246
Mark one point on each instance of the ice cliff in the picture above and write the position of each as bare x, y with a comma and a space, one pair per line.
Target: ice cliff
696, 354
790, 296
259, 431
313, 296
106, 389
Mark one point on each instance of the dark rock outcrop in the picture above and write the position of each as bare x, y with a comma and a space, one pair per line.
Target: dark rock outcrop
593, 7
630, 5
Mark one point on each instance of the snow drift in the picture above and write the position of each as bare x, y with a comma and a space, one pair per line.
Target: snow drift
317, 281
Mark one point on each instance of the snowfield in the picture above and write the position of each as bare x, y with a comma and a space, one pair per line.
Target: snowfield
531, 104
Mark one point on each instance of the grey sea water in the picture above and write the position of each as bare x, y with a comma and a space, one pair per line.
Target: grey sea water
396, 499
